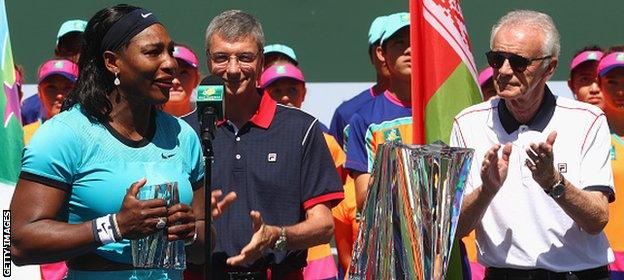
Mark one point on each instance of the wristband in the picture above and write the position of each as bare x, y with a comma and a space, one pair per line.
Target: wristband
104, 230
116, 231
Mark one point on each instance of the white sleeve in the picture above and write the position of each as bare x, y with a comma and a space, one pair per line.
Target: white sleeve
596, 171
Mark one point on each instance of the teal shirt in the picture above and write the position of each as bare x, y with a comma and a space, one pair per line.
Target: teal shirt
96, 166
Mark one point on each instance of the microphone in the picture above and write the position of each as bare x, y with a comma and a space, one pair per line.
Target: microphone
210, 97
210, 106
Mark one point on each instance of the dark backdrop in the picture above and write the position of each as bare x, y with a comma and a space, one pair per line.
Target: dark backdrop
329, 36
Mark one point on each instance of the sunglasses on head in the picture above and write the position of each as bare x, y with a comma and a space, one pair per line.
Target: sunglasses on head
517, 62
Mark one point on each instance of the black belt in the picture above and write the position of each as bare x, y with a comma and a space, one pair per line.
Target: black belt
495, 273
248, 275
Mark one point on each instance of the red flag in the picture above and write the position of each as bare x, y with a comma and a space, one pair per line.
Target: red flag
443, 68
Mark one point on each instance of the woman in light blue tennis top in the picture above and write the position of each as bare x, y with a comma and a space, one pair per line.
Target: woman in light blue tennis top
76, 197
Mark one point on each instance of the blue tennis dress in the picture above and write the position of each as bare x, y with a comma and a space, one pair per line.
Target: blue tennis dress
95, 166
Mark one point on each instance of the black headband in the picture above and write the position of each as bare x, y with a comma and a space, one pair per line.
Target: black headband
127, 27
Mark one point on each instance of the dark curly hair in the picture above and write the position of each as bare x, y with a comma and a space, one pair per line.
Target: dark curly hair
95, 82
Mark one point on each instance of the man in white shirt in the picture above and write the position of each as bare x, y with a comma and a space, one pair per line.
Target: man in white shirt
539, 187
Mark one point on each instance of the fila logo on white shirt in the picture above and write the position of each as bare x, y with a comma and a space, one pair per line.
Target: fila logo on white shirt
563, 167
272, 157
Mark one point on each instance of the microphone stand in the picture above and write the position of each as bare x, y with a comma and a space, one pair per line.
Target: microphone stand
208, 119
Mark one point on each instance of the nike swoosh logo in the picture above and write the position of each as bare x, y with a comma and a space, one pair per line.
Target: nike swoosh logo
167, 156
105, 229
145, 15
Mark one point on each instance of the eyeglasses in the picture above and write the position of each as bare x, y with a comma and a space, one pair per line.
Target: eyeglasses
223, 59
517, 62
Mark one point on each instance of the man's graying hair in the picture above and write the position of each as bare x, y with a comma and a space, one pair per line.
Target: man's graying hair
539, 21
234, 25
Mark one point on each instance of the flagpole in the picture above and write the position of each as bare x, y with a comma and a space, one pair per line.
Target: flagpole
418, 94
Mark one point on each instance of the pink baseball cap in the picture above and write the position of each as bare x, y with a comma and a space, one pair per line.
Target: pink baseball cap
279, 71
485, 75
61, 67
186, 55
610, 61
585, 56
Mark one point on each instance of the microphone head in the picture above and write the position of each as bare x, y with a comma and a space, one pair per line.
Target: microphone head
211, 88
210, 96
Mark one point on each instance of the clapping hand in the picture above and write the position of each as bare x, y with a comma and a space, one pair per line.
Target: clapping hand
540, 162
494, 169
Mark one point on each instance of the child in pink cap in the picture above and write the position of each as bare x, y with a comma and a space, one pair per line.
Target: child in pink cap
285, 84
184, 83
583, 79
611, 73
56, 79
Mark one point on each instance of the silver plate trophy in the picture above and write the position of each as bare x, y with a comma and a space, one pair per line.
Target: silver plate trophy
411, 212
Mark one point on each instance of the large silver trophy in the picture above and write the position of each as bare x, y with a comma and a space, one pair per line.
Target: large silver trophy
411, 212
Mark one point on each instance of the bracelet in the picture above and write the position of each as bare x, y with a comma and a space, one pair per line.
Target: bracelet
103, 230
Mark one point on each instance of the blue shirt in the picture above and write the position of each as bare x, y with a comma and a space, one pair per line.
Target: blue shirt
344, 112
32, 110
382, 120
95, 165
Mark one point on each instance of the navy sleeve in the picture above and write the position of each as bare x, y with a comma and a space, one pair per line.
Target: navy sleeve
320, 181
357, 152
337, 125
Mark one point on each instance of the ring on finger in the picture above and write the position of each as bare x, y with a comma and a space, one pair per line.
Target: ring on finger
161, 223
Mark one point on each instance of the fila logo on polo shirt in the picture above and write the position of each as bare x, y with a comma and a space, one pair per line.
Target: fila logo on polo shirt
272, 157
562, 167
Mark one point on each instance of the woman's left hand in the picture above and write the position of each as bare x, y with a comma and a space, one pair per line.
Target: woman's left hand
180, 222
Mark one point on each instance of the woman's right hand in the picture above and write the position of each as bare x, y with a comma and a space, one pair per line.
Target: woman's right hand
138, 218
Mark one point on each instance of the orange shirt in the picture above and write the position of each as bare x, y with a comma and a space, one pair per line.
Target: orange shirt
337, 154
615, 227
29, 131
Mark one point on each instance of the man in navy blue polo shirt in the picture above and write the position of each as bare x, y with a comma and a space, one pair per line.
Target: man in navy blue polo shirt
274, 157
